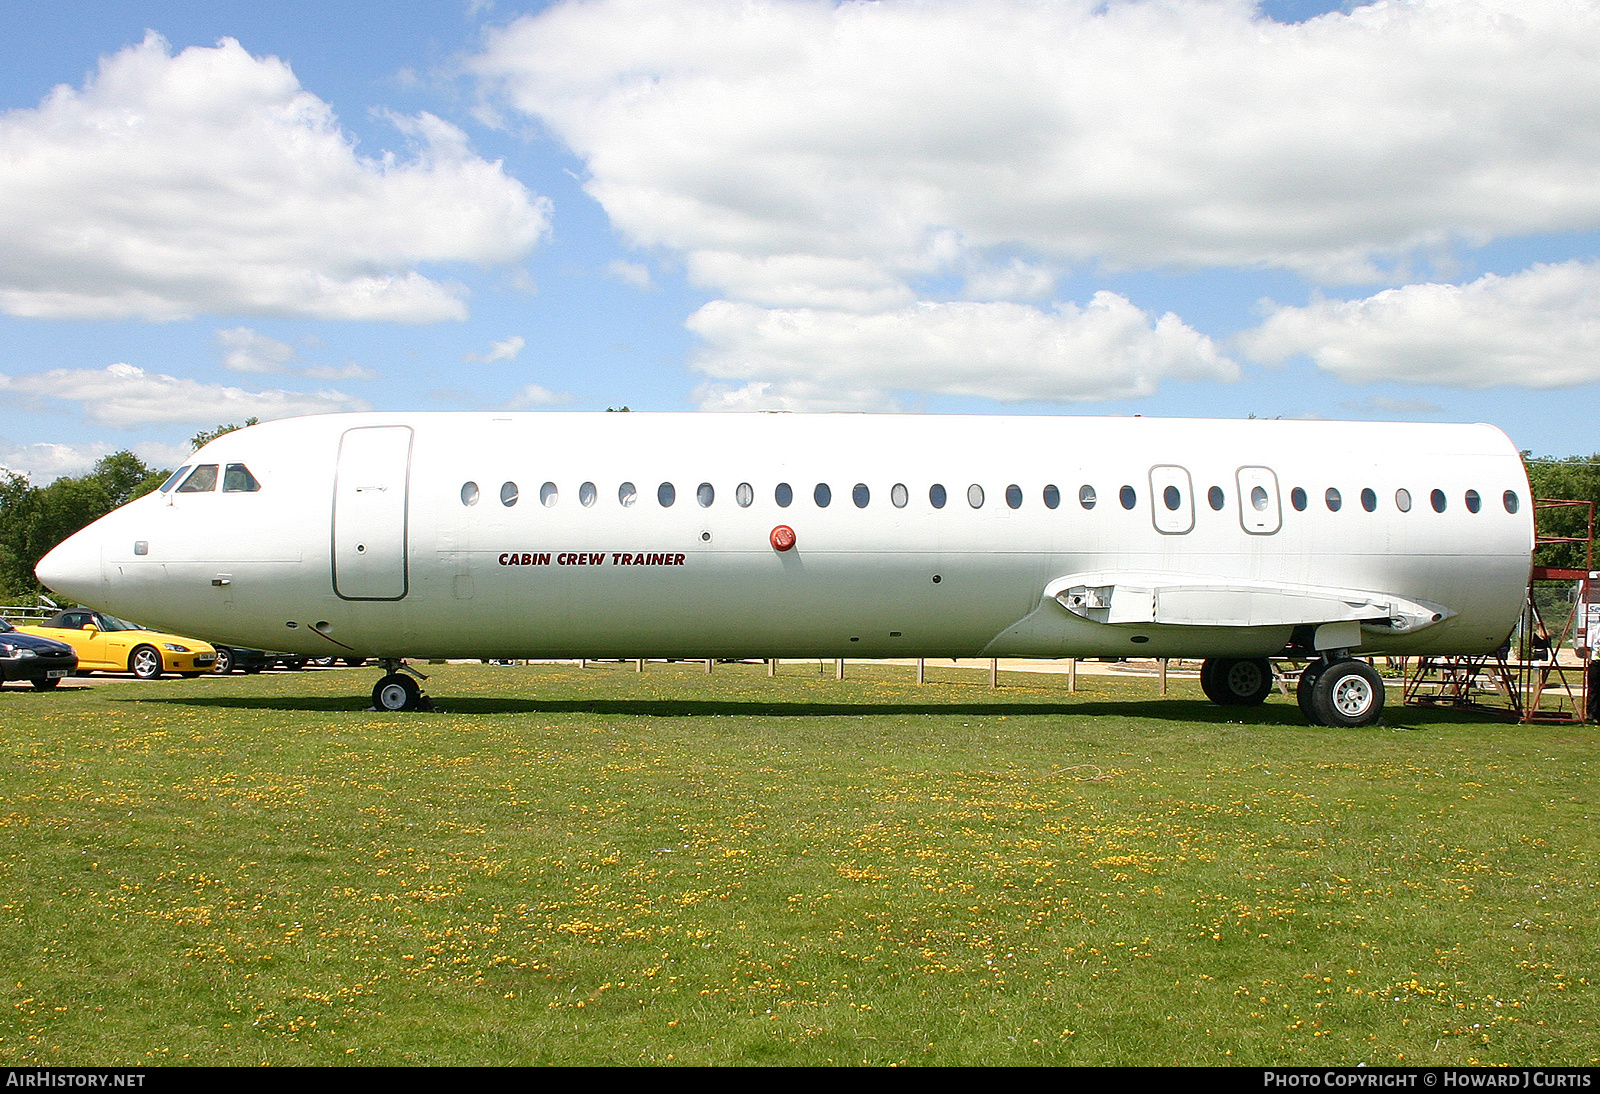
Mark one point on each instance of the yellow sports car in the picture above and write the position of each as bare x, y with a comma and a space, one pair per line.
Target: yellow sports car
105, 643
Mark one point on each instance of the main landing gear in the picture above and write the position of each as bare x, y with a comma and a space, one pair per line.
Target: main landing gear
1333, 690
398, 690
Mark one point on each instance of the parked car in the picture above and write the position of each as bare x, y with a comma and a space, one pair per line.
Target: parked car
105, 643
239, 659
43, 662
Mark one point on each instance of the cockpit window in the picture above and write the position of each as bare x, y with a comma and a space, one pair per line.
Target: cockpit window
201, 480
238, 480
172, 479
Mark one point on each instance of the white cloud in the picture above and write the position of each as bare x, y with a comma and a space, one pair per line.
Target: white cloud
504, 350
1108, 349
211, 181
534, 396
44, 462
1536, 329
248, 351
351, 371
636, 274
124, 396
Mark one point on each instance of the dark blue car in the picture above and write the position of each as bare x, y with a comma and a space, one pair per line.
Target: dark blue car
42, 662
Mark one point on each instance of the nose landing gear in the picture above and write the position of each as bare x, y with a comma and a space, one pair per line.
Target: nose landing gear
398, 690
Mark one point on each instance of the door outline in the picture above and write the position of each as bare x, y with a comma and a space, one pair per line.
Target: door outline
1266, 520
340, 471
1171, 522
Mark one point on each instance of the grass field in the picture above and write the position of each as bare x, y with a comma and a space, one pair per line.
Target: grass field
567, 865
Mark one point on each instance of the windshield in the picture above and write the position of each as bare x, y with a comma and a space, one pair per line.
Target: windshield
112, 623
5, 627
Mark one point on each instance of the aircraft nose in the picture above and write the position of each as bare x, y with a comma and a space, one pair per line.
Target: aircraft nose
72, 569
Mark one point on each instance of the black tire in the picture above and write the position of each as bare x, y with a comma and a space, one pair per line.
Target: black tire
145, 662
252, 670
224, 663
1236, 681
1348, 694
397, 691
1306, 688
45, 683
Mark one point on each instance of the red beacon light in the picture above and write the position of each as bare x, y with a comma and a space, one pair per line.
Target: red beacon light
782, 538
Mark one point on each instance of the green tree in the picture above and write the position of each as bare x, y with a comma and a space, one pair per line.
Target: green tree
206, 436
1572, 478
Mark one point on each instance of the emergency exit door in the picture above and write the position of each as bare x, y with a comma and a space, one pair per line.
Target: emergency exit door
370, 499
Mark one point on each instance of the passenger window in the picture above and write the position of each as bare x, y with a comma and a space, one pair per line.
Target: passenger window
1128, 497
899, 496
1437, 498
975, 496
783, 495
1474, 503
587, 495
508, 494
1171, 498
1335, 502
172, 479
1052, 497
1369, 500
1512, 502
238, 480
1402, 500
1215, 498
1014, 496
627, 494
1086, 496
861, 495
705, 495
469, 493
822, 495
201, 480
549, 495
1258, 498
936, 496
1297, 498
666, 494
744, 494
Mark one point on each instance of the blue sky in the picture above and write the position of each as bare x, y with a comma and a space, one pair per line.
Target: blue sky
1188, 208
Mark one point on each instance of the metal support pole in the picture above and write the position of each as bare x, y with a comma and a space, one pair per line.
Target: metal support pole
1162, 673
638, 664
922, 671
838, 668
1072, 675
994, 672
772, 666
709, 663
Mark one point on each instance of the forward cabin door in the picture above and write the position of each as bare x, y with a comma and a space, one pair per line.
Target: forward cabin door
370, 499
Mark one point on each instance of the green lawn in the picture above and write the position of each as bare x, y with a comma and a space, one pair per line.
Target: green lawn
567, 865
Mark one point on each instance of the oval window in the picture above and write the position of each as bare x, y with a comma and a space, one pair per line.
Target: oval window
549, 495
899, 495
744, 494
783, 495
1474, 503
860, 495
975, 496
1129, 497
1297, 498
1511, 501
705, 495
666, 494
936, 496
627, 494
1171, 498
1052, 497
1258, 498
1014, 496
1335, 502
587, 494
1402, 500
469, 493
508, 494
1369, 500
1215, 498
822, 495
1437, 499
1086, 496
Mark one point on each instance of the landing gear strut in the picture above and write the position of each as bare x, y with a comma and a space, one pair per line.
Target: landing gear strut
398, 690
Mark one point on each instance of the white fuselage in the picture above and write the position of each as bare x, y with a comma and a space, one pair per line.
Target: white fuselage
359, 540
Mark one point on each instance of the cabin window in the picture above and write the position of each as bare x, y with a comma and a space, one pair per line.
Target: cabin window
783, 495
975, 496
469, 493
936, 496
1437, 498
898, 495
704, 494
822, 495
1171, 498
1334, 500
1258, 498
587, 495
860, 495
508, 494
666, 494
627, 494
1474, 503
172, 479
744, 494
201, 480
1052, 497
1297, 498
549, 495
238, 480
1402, 500
1014, 496
1086, 496
1369, 500
1512, 502
1215, 498
1128, 496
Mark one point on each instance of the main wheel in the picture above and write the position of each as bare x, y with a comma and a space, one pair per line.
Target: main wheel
1306, 688
397, 691
224, 664
145, 662
44, 683
1236, 682
1348, 693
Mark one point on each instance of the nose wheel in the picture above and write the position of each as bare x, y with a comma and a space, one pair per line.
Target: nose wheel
397, 691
